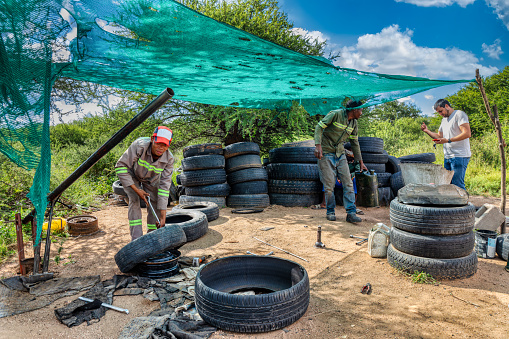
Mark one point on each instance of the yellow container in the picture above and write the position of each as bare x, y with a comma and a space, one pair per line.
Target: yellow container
57, 224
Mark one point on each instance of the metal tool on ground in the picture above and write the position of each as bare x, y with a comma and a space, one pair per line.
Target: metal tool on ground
153, 211
361, 242
366, 289
319, 243
280, 249
124, 310
353, 236
265, 255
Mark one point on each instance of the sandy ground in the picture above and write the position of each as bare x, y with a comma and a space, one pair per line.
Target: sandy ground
477, 307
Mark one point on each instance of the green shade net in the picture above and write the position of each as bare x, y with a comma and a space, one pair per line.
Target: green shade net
146, 46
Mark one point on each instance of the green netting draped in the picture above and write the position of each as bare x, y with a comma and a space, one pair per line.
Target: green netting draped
148, 45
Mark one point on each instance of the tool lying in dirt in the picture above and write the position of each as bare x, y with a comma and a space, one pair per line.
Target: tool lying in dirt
124, 310
153, 211
319, 242
366, 289
361, 242
270, 253
280, 249
353, 236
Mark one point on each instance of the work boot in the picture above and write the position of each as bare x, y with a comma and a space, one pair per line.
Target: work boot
331, 217
351, 217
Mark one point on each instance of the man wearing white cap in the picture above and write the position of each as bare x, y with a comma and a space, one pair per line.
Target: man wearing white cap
149, 162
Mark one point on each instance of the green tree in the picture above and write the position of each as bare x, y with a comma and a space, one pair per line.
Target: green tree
389, 112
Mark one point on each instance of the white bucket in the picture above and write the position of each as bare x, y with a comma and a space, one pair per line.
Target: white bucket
378, 240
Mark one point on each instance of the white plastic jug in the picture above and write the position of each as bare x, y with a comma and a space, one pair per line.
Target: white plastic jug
378, 240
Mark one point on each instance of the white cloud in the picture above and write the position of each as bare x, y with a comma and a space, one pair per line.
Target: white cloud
313, 35
494, 51
501, 9
429, 97
438, 3
406, 100
392, 51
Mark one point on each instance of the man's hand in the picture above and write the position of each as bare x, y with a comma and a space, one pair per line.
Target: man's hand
441, 141
162, 219
141, 193
318, 151
363, 167
424, 128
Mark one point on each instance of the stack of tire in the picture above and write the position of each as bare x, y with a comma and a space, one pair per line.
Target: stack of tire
293, 177
396, 180
246, 176
434, 239
204, 175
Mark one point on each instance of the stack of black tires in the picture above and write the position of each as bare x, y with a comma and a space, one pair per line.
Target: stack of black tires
293, 177
438, 240
204, 175
246, 176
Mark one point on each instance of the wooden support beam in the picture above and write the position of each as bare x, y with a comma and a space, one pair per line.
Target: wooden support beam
21, 246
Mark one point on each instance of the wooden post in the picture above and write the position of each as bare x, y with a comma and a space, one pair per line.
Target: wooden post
37, 249
21, 246
501, 144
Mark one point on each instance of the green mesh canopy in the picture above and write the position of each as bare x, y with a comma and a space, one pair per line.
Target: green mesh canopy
146, 46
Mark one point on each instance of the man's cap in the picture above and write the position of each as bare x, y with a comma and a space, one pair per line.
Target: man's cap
163, 134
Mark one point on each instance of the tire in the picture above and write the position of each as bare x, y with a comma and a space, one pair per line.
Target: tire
149, 245
293, 171
163, 265
393, 165
456, 268
396, 182
118, 189
503, 246
295, 200
246, 175
421, 157
377, 158
384, 196
248, 201
210, 209
432, 220
199, 162
371, 144
292, 155
216, 190
219, 201
194, 223
202, 149
384, 179
288, 300
241, 148
378, 168
82, 225
242, 162
203, 177
433, 246
295, 186
177, 179
250, 187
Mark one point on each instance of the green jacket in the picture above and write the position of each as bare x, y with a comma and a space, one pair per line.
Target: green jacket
334, 129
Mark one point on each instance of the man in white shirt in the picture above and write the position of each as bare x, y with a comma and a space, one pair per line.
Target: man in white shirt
454, 134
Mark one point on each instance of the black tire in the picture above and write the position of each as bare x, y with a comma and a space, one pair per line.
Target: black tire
241, 162
250, 187
219, 201
240, 148
194, 223
433, 246
295, 186
210, 209
148, 245
177, 179
118, 189
292, 155
199, 162
293, 171
384, 179
248, 201
384, 196
216, 190
203, 177
371, 144
421, 157
396, 182
376, 158
456, 268
163, 265
202, 149
432, 220
378, 168
246, 175
288, 300
393, 165
295, 200
503, 246
82, 225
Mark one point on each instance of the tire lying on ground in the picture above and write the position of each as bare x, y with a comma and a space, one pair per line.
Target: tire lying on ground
281, 293
82, 225
219, 201
210, 209
194, 223
148, 245
456, 268
118, 189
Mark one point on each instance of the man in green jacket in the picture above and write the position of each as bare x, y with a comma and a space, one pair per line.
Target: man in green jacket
330, 134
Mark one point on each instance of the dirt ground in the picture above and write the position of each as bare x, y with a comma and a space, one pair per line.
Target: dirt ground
477, 307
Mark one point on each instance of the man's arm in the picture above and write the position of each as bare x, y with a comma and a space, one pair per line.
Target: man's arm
122, 167
434, 135
465, 134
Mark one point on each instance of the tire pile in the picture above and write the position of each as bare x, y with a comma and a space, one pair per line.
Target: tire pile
204, 175
293, 177
246, 176
438, 240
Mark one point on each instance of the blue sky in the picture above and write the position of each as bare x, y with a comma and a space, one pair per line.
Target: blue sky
438, 39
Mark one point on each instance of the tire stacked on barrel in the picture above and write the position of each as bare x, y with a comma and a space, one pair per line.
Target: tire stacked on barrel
204, 175
293, 177
246, 176
437, 240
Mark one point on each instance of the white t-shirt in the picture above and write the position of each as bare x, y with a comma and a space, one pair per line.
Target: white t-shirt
450, 127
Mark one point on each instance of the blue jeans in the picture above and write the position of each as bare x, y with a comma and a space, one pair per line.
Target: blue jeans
459, 166
330, 167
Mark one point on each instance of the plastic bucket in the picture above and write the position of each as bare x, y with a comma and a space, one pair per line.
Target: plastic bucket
485, 243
